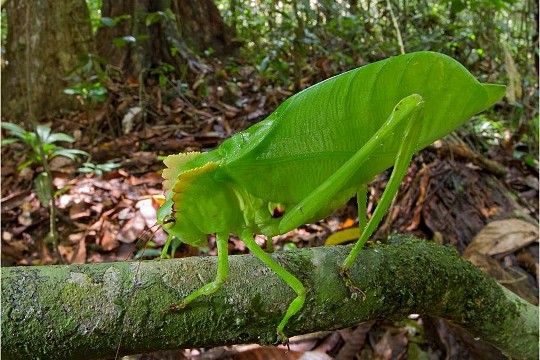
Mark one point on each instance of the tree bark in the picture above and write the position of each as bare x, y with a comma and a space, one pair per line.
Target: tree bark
195, 27
45, 42
86, 311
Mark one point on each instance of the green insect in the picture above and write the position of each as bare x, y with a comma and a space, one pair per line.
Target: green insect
317, 150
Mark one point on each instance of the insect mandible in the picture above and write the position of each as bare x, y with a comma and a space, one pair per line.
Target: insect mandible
318, 149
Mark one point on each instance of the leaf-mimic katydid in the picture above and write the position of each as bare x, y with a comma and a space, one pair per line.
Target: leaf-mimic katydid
316, 151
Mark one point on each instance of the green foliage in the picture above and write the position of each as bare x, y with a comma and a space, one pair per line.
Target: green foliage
98, 169
43, 186
163, 71
3, 29
94, 8
42, 149
110, 22
158, 16
41, 143
93, 91
87, 81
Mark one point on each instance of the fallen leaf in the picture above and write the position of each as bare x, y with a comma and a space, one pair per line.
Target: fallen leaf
79, 257
132, 229
108, 241
503, 237
343, 236
79, 210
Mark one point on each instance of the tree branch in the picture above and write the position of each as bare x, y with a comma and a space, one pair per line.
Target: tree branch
82, 311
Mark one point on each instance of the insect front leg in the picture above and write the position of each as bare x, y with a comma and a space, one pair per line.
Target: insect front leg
221, 276
289, 278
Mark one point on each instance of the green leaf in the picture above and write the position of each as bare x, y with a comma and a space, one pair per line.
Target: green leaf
85, 170
49, 148
61, 191
108, 166
124, 40
98, 92
89, 165
68, 153
25, 164
43, 132
8, 141
60, 137
43, 186
152, 18
16, 130
107, 21
72, 91
264, 64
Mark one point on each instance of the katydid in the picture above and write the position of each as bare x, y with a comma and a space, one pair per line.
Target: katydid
313, 153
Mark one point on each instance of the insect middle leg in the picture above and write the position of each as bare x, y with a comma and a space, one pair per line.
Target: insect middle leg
221, 276
289, 278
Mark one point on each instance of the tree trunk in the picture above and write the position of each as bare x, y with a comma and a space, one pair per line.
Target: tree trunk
178, 30
46, 40
86, 311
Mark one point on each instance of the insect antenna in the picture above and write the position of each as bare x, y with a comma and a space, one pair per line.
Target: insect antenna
138, 256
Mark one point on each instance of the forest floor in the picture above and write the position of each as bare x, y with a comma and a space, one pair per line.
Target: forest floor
449, 195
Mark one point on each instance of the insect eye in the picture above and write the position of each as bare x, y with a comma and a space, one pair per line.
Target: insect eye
278, 213
169, 221
277, 210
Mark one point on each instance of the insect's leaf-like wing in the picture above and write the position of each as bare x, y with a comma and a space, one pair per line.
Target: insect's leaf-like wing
316, 131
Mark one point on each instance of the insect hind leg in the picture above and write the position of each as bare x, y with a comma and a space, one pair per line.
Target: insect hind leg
403, 158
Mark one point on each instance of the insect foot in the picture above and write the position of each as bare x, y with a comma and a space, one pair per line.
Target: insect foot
355, 290
282, 338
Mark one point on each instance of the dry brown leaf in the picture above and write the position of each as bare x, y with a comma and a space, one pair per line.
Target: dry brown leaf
132, 229
267, 352
79, 257
109, 231
79, 210
392, 344
503, 237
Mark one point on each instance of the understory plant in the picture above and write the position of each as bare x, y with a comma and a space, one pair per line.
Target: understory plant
42, 148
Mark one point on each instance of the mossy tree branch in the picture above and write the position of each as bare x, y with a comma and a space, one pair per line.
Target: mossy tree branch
82, 311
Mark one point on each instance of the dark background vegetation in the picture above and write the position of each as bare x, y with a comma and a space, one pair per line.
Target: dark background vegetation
112, 86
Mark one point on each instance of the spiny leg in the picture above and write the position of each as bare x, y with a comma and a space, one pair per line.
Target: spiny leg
407, 111
289, 278
403, 158
221, 276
